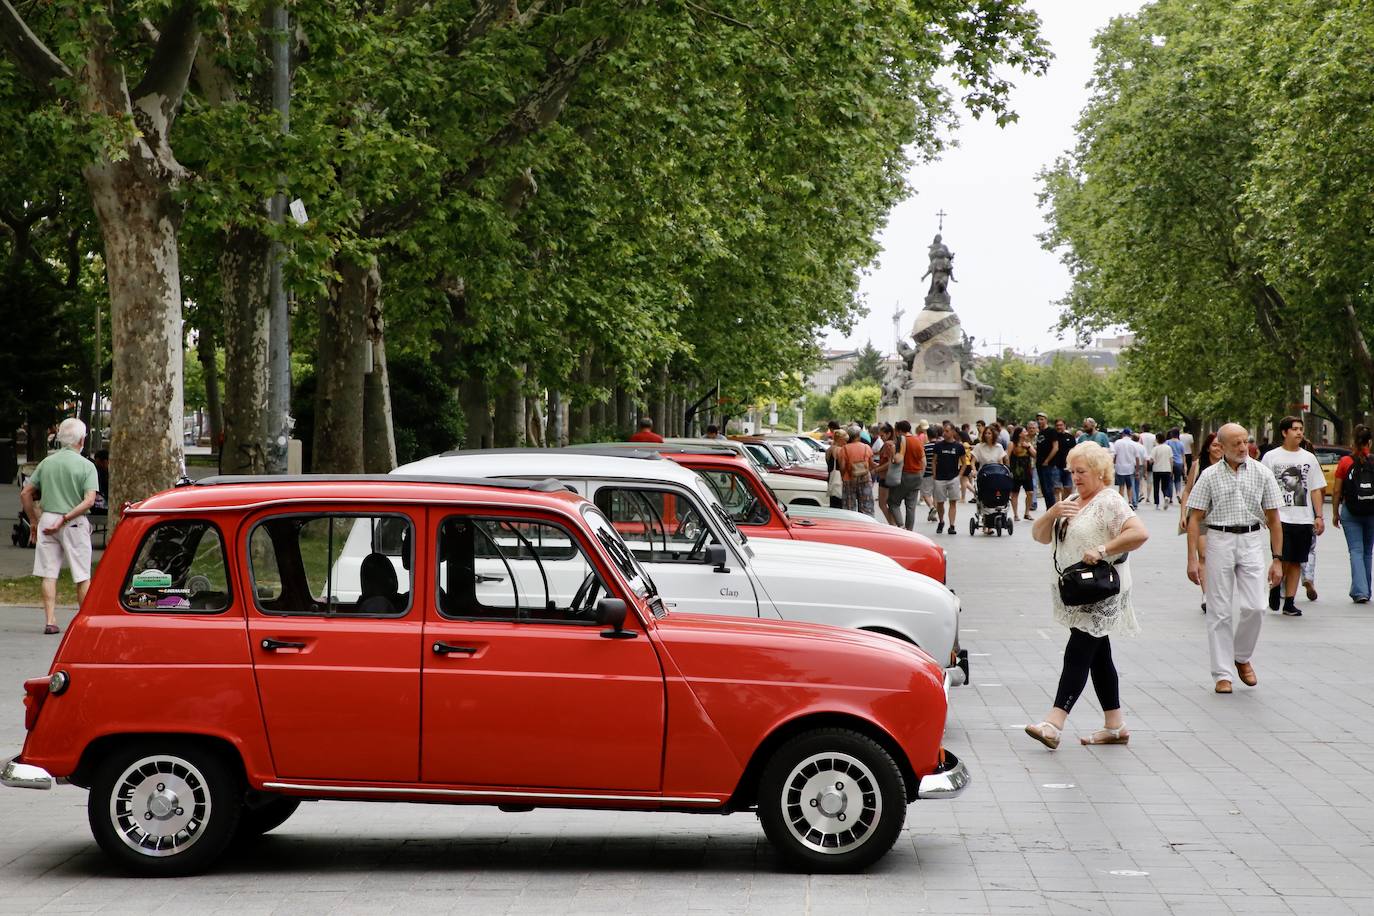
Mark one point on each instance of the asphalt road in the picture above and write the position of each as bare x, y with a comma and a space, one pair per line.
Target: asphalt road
1258, 802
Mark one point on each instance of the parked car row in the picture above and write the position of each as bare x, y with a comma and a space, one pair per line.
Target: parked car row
608, 627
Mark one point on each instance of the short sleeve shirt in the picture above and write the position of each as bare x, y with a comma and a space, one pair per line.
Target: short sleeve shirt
1099, 437
1238, 497
914, 457
1066, 444
1298, 474
1124, 454
948, 457
1043, 443
1176, 446
1162, 459
987, 454
64, 478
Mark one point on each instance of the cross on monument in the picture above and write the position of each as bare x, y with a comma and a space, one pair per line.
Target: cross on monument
941, 214
897, 313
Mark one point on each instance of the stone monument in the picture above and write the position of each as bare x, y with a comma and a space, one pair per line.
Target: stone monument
936, 380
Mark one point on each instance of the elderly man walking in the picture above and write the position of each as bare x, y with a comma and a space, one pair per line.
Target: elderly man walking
1235, 498
69, 485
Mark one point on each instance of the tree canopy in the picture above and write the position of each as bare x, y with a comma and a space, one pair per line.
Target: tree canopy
561, 206
1217, 204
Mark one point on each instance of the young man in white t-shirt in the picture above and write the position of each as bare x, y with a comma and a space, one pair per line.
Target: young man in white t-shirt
1147, 439
1126, 457
1162, 464
1304, 491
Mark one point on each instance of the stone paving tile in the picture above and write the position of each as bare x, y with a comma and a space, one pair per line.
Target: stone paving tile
1257, 803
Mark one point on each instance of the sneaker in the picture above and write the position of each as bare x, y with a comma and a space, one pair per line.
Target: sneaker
1292, 612
1274, 598
940, 528
952, 529
1362, 600
931, 515
1311, 589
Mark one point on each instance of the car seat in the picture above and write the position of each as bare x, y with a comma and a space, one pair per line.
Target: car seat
377, 578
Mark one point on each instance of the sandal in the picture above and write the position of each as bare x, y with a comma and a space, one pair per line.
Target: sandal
50, 629
1045, 733
1107, 736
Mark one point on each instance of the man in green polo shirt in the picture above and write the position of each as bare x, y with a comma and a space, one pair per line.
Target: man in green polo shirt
68, 484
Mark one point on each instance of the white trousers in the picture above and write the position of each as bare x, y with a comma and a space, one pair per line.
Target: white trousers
1237, 594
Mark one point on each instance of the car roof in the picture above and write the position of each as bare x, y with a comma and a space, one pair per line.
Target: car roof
228, 493
640, 464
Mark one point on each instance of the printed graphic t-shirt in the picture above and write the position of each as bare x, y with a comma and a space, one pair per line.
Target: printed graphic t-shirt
1298, 473
948, 455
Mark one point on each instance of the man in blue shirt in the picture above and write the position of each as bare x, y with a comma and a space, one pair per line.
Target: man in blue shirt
1176, 446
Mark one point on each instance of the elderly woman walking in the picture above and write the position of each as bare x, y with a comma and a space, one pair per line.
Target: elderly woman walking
1094, 525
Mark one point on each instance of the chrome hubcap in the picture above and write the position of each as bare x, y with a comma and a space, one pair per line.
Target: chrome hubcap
831, 803
160, 805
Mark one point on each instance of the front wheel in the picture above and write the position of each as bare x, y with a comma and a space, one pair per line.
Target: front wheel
162, 808
832, 800
1008, 527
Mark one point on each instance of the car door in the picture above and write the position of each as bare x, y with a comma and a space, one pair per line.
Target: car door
669, 530
520, 687
336, 640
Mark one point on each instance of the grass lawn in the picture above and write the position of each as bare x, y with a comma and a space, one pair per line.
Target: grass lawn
28, 590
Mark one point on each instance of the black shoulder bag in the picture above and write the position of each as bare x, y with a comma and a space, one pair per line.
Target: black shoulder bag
1084, 583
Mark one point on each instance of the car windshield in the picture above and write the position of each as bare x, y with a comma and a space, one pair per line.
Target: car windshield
620, 554
708, 496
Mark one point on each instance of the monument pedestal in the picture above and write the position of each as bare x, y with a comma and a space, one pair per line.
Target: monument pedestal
937, 402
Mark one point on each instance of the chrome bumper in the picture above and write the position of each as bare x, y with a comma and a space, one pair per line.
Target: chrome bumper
18, 775
949, 781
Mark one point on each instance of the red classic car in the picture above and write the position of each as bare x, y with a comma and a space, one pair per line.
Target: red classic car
251, 642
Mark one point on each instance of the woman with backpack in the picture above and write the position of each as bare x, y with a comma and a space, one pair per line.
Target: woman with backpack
1353, 494
856, 467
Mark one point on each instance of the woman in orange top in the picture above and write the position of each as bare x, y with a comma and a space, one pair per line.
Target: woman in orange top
856, 466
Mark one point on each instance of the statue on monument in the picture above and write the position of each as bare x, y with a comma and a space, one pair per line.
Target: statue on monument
937, 353
940, 271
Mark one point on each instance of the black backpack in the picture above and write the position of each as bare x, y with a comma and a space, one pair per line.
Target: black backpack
1357, 490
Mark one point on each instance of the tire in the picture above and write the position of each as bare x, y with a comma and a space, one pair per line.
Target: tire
185, 824
972, 526
1008, 527
842, 769
268, 816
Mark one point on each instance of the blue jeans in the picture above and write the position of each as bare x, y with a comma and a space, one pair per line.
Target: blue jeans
1049, 479
1359, 540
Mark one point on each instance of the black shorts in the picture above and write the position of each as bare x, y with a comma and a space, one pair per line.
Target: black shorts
1297, 542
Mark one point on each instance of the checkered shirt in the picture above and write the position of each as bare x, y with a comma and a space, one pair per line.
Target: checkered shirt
1235, 497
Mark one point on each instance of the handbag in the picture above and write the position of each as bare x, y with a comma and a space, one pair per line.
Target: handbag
1084, 583
893, 478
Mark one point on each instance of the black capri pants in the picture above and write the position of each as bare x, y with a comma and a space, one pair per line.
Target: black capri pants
1086, 654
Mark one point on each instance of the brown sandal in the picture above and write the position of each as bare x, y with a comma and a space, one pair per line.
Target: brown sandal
1107, 736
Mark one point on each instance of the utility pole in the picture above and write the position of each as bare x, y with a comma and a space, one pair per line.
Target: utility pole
279, 321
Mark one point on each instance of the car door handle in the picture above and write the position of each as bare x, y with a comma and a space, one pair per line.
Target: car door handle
479, 578
443, 648
271, 644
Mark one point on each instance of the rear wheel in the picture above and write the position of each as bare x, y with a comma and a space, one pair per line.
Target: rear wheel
973, 525
164, 807
1008, 526
832, 800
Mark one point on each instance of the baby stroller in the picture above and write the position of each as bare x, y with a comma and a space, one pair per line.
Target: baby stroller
993, 491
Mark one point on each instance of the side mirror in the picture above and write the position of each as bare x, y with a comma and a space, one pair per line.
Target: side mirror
610, 612
715, 555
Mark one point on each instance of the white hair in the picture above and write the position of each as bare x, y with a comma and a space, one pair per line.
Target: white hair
71, 433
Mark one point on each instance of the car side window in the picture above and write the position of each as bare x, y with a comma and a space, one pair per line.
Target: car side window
332, 564
761, 454
737, 497
514, 570
658, 526
180, 568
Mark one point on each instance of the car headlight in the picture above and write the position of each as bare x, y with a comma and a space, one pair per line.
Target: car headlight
58, 682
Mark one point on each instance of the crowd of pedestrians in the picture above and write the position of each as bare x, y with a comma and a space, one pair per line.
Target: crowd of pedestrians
1234, 500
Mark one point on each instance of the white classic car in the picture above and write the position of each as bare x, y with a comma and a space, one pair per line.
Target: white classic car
702, 563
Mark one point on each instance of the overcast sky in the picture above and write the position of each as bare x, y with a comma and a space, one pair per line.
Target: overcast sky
1005, 283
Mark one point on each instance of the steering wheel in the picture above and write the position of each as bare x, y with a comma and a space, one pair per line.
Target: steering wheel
746, 511
584, 599
699, 542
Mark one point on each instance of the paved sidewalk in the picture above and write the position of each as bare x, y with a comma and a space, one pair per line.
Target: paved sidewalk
1258, 802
